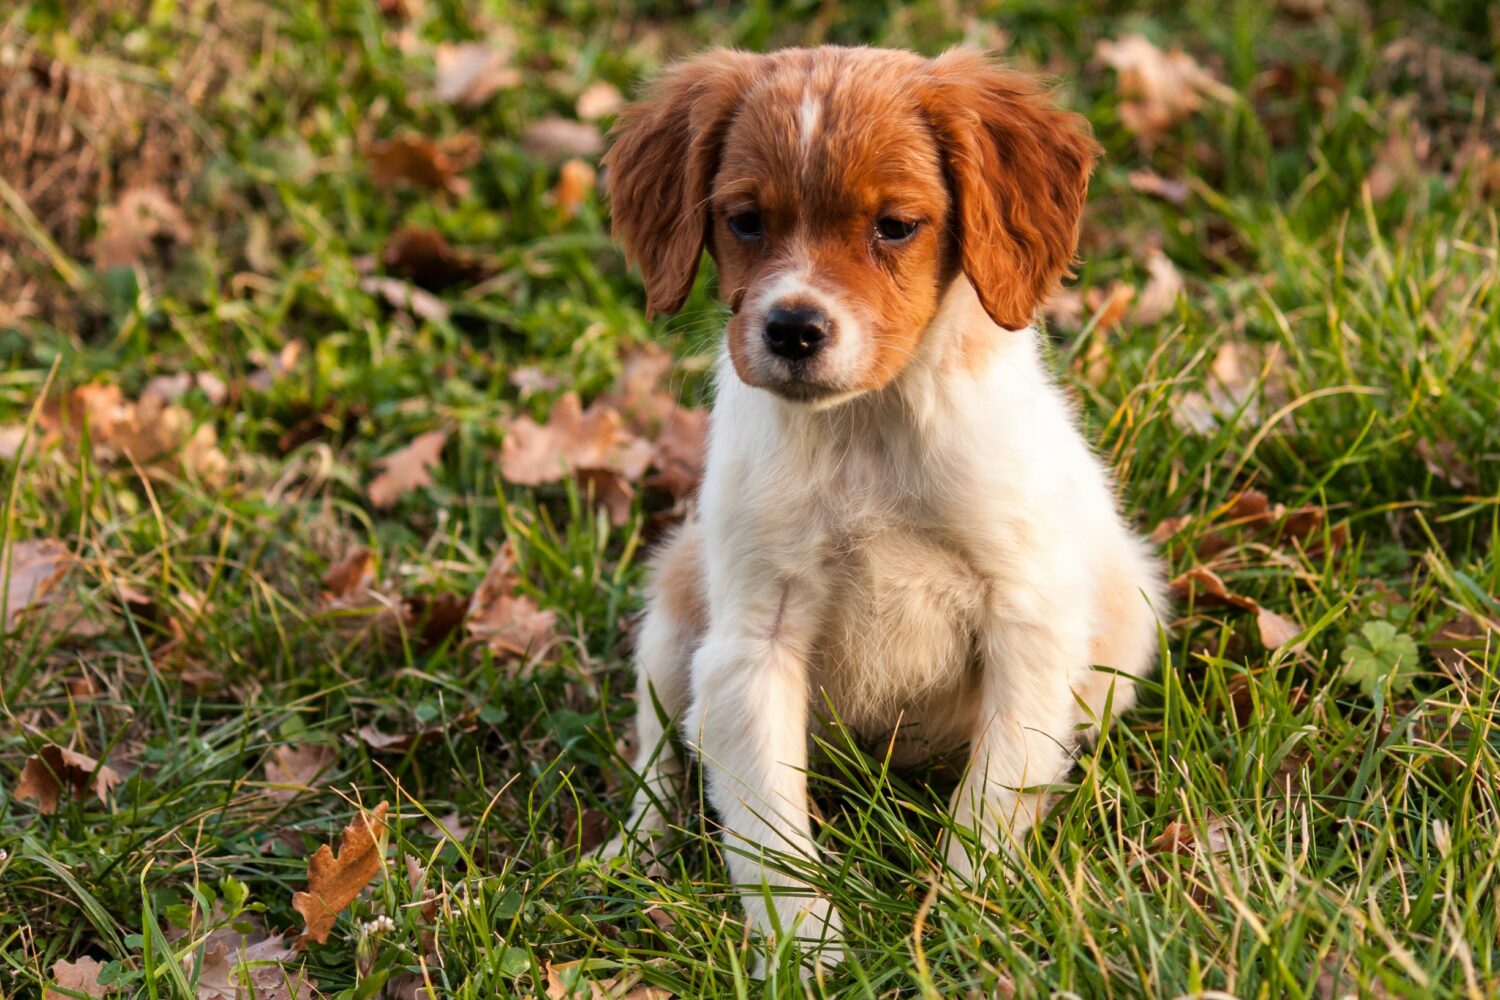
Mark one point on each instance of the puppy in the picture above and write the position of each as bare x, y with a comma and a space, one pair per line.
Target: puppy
899, 517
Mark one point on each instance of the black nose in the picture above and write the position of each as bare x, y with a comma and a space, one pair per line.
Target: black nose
796, 334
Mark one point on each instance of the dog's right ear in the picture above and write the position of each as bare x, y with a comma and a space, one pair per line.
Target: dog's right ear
661, 165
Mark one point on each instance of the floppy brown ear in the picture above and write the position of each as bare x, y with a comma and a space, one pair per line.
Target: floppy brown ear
1019, 166
661, 165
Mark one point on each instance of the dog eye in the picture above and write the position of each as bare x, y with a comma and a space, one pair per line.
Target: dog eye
746, 225
894, 230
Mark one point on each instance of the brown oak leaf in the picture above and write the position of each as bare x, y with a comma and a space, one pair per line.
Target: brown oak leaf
77, 977
53, 768
407, 468
333, 880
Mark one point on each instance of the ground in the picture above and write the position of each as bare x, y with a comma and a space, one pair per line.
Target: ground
300, 518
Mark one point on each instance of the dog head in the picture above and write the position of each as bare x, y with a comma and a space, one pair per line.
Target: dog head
840, 192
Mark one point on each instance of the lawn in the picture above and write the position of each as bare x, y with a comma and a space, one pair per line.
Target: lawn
299, 306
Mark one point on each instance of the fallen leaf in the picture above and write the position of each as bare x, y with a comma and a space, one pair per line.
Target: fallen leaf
425, 256
406, 469
681, 449
514, 625
350, 577
451, 826
570, 981
1445, 463
30, 570
638, 393
1108, 307
574, 183
417, 301
1163, 288
142, 225
333, 880
572, 439
1202, 587
1149, 182
52, 768
504, 620
599, 99
145, 433
1275, 630
1158, 89
1182, 838
1230, 388
241, 960
295, 768
80, 977
417, 161
1064, 309
275, 367
470, 73
557, 139
531, 379
402, 742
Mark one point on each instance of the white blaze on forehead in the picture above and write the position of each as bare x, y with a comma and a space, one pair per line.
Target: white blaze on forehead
809, 119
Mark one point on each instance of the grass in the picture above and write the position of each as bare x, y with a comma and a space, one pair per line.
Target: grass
1331, 837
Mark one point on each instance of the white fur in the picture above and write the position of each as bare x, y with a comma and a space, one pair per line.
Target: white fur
807, 117
944, 553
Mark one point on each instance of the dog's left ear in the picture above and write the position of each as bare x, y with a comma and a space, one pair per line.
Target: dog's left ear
1019, 166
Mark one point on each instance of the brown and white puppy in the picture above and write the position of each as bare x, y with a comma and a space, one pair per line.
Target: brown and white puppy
899, 516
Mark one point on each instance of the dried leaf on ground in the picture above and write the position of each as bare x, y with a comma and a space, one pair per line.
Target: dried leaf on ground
143, 225
333, 880
406, 469
375, 739
1149, 182
350, 577
680, 450
556, 139
1108, 307
1203, 587
1444, 462
571, 981
599, 99
1230, 388
80, 977
242, 960
513, 624
575, 181
424, 256
1183, 838
572, 439
505, 620
272, 369
51, 769
470, 73
1158, 89
402, 295
146, 433
30, 570
418, 161
1164, 286
296, 768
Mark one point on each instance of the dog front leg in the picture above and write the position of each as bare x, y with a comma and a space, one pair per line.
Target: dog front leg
1024, 736
749, 724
